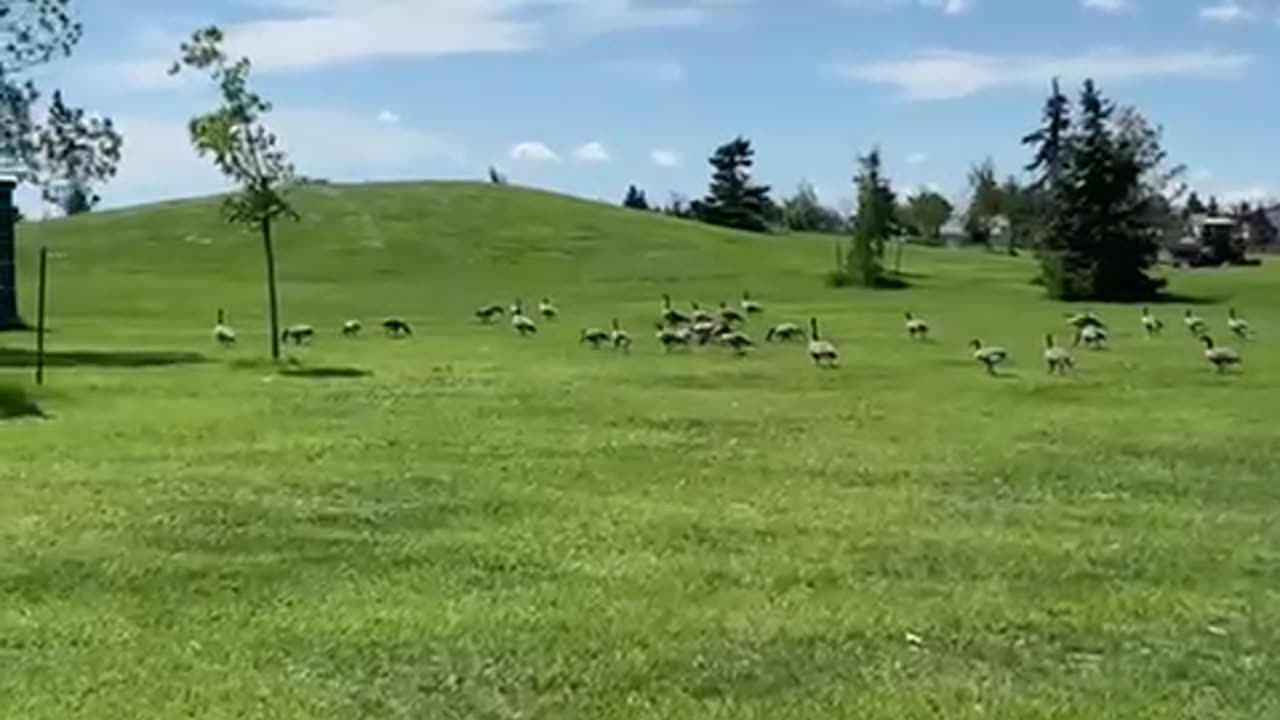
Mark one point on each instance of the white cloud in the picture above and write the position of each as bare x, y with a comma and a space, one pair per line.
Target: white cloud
337, 143
664, 71
917, 158
666, 158
950, 74
592, 152
301, 35
533, 152
388, 117
950, 7
1253, 194
1228, 11
1109, 7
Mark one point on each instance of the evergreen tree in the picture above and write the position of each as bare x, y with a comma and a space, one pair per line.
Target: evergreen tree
1100, 238
1194, 206
635, 199
732, 199
1213, 209
874, 223
1051, 139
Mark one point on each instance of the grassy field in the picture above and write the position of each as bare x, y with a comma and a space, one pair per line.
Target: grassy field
485, 527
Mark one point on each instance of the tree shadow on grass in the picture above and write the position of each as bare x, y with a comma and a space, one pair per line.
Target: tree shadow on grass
16, 403
26, 357
1172, 298
320, 373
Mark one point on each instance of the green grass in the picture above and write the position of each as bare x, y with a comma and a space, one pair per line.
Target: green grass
467, 525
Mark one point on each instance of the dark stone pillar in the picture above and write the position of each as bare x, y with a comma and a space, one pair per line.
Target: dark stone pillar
9, 319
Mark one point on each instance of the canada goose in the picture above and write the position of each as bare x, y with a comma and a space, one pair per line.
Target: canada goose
728, 314
487, 313
917, 328
351, 328
1079, 321
991, 357
1058, 359
595, 336
704, 330
823, 352
297, 333
1093, 337
520, 322
396, 327
670, 315
1151, 323
1221, 357
1195, 324
619, 337
740, 342
222, 332
699, 315
671, 337
1237, 324
749, 306
548, 310
784, 331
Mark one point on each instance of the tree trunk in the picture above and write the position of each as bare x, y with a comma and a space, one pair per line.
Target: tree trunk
9, 318
897, 257
273, 302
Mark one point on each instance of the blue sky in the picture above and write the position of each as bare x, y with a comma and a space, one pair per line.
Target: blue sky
586, 96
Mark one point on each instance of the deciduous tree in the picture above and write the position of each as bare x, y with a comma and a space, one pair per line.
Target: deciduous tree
234, 136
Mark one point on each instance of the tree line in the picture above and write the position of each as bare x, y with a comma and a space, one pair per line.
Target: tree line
1095, 203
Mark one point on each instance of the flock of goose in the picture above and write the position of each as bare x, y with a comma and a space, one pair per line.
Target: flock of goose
677, 329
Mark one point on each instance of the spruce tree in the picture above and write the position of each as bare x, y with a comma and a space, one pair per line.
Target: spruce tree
733, 200
874, 223
635, 199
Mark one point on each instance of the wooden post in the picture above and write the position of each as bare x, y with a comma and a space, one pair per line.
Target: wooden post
44, 266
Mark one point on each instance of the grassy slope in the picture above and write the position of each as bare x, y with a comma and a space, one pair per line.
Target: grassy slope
494, 528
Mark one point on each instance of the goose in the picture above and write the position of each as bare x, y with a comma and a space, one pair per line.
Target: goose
222, 332
619, 337
991, 357
699, 315
595, 336
1220, 357
671, 337
351, 328
1079, 321
1195, 324
822, 351
297, 333
520, 322
1058, 359
704, 330
396, 327
1237, 324
547, 309
784, 331
917, 328
749, 306
1093, 337
728, 314
740, 342
487, 313
670, 315
1151, 323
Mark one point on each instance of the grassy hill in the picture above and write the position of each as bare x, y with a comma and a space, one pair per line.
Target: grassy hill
475, 525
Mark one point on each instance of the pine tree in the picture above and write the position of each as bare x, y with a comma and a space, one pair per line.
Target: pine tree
1051, 139
732, 199
1213, 209
874, 223
1102, 233
1194, 206
635, 199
